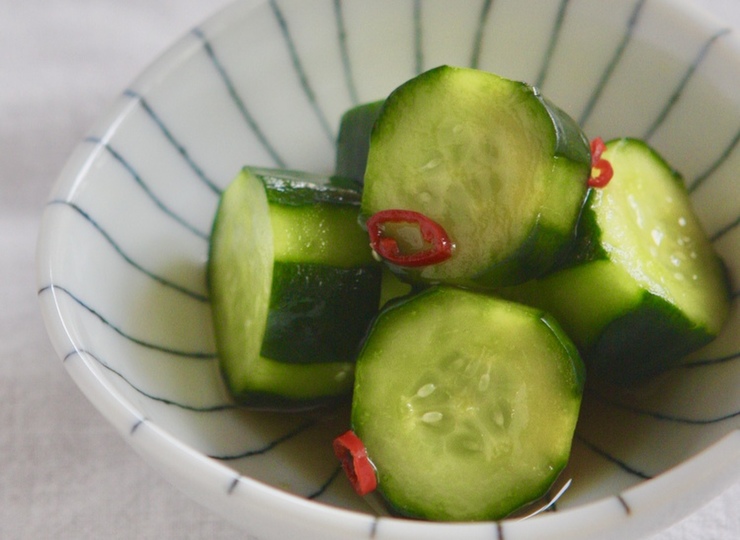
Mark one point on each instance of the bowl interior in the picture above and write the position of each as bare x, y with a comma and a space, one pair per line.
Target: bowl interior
125, 235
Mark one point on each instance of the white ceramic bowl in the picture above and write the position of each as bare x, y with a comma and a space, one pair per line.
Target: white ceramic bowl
125, 236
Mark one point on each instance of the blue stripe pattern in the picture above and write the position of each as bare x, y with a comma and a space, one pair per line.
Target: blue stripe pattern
301, 428
237, 100
171, 138
159, 279
166, 401
340, 32
206, 355
612, 64
480, 31
418, 37
300, 72
342, 43
682, 85
552, 44
721, 159
161, 204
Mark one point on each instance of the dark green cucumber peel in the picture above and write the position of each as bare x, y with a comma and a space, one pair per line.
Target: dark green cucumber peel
265, 276
630, 317
353, 142
538, 253
477, 420
570, 140
308, 320
644, 342
458, 142
298, 188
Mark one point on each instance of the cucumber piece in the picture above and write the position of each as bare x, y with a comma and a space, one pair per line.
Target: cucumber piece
293, 288
644, 286
466, 404
353, 142
319, 313
500, 168
391, 287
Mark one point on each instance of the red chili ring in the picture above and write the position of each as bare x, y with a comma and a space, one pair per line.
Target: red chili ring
352, 453
387, 246
597, 148
606, 172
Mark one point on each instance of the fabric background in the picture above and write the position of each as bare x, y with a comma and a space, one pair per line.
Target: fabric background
64, 473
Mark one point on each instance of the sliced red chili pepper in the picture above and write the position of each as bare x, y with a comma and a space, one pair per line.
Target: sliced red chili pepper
437, 244
605, 174
597, 148
604, 168
352, 453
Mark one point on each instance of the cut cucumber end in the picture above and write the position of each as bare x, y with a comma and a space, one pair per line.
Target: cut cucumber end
648, 227
293, 288
644, 286
466, 420
240, 267
487, 158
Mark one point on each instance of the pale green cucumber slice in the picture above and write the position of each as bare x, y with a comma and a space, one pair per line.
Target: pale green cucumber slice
466, 404
501, 169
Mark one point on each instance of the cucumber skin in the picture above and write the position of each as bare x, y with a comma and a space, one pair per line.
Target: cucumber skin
619, 354
547, 242
646, 334
643, 336
353, 142
309, 322
309, 318
272, 384
543, 248
577, 377
298, 188
570, 140
290, 397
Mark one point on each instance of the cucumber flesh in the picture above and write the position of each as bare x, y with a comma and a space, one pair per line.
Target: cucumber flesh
502, 170
319, 233
649, 228
293, 288
645, 286
477, 419
241, 226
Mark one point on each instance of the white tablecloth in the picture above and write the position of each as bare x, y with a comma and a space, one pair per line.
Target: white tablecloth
64, 473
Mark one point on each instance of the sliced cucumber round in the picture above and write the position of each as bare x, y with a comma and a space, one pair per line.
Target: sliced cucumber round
501, 169
466, 404
293, 288
644, 287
